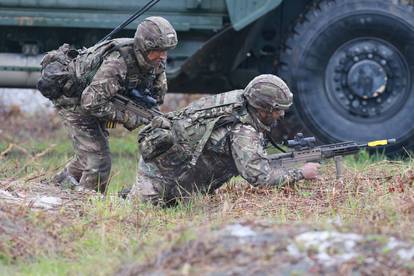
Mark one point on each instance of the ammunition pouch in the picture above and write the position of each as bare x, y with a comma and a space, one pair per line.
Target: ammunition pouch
158, 143
155, 143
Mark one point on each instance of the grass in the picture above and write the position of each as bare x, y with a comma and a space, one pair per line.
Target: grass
55, 151
101, 235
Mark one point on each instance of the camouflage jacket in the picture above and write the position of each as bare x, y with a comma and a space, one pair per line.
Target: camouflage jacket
109, 79
217, 140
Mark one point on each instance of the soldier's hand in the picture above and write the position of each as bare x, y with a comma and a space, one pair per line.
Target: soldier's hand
132, 121
161, 122
311, 170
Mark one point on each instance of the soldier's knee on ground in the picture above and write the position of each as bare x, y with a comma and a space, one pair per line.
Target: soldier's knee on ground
144, 191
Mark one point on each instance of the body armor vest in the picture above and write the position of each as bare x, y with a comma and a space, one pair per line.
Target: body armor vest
181, 145
89, 61
193, 126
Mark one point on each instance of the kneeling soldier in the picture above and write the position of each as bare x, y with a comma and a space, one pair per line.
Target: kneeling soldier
82, 84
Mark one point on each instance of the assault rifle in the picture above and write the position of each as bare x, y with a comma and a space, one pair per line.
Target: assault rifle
304, 149
138, 103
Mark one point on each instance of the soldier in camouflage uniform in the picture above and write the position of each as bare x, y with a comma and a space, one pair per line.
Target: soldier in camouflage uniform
215, 138
99, 73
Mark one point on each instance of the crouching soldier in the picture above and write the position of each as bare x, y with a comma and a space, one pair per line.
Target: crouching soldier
215, 138
82, 83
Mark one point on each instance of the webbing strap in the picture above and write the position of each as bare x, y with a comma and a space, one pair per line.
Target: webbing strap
133, 73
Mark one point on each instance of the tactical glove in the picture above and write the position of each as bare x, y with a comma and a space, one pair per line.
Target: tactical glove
132, 121
161, 122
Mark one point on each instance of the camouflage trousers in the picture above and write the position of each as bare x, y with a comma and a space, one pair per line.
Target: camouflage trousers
91, 164
153, 186
148, 185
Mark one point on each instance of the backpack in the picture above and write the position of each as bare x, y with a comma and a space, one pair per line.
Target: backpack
67, 72
57, 78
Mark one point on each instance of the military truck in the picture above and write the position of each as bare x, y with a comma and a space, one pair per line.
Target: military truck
349, 63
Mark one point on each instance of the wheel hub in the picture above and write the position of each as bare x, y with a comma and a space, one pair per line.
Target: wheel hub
366, 78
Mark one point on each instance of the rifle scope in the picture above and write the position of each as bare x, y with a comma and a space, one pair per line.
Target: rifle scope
300, 142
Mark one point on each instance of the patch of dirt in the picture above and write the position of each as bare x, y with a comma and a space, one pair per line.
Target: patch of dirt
368, 239
32, 217
259, 248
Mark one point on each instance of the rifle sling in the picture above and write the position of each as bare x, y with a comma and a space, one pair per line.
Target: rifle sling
269, 137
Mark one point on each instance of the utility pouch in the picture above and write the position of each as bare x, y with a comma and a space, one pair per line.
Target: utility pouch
154, 141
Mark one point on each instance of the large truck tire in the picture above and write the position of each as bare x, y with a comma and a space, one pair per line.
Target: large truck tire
350, 65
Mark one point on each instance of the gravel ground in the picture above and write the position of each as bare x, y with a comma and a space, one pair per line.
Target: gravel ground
260, 248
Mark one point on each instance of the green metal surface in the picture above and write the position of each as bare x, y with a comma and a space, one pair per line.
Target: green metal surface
20, 68
57, 21
183, 14
102, 19
125, 5
244, 12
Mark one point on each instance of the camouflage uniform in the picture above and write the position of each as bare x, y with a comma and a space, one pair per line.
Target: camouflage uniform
85, 116
203, 146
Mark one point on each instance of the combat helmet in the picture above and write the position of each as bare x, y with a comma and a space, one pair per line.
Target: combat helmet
153, 33
268, 92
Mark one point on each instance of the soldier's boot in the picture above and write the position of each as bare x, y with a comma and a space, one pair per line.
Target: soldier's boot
57, 178
124, 192
64, 180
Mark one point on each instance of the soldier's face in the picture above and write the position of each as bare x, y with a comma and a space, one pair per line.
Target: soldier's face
157, 56
269, 118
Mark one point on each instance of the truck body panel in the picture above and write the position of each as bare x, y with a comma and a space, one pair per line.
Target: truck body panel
349, 63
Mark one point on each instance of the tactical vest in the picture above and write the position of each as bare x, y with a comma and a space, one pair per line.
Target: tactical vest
68, 72
181, 145
89, 61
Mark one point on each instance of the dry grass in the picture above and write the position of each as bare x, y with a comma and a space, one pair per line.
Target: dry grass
378, 199
374, 198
